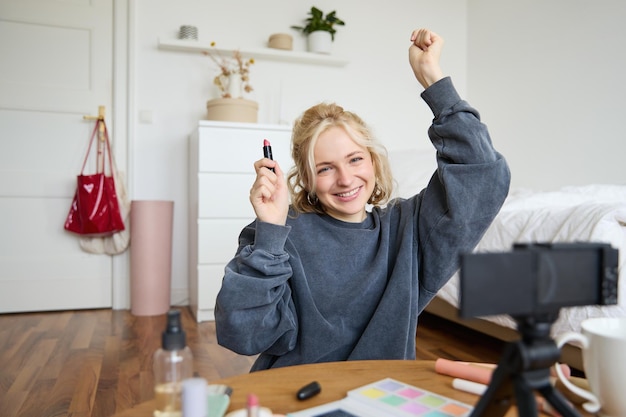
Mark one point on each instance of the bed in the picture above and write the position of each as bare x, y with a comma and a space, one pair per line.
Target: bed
591, 213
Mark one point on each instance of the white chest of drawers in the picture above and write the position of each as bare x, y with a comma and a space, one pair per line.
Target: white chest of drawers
221, 173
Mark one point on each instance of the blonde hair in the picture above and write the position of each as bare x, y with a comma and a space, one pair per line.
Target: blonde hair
306, 130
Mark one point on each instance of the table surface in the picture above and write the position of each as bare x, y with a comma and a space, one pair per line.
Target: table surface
276, 388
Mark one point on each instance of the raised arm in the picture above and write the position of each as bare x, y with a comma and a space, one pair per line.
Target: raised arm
424, 54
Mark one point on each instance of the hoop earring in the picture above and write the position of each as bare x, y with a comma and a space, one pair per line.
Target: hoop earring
314, 198
375, 193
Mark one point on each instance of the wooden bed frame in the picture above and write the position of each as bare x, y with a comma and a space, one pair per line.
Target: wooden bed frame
570, 354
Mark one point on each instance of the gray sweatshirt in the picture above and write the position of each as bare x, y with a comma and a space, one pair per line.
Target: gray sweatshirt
319, 289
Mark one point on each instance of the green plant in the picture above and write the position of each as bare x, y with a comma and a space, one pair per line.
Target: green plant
317, 21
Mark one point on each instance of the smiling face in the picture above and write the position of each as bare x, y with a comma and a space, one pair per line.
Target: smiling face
345, 176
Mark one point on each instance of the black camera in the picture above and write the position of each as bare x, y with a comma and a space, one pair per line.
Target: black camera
531, 284
538, 278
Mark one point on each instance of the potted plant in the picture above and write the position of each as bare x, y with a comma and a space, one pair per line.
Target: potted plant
232, 81
320, 29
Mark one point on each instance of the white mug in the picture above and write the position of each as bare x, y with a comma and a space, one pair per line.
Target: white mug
603, 343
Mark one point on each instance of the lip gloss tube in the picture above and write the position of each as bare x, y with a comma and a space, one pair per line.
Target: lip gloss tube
252, 406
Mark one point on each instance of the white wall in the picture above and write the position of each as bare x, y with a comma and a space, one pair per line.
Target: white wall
545, 75
377, 83
548, 78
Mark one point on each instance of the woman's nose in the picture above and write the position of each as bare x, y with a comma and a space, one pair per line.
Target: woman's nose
344, 177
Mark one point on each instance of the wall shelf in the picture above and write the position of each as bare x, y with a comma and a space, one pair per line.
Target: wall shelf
185, 45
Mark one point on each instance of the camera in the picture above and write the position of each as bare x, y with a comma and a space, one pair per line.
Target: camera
531, 284
537, 279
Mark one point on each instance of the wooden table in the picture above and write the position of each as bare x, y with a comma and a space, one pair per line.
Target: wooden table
276, 388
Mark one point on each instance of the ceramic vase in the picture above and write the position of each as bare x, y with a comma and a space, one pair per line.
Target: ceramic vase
235, 85
320, 42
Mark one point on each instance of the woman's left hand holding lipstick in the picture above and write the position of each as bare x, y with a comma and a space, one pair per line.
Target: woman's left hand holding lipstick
269, 194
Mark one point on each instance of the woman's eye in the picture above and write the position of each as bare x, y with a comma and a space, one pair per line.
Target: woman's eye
323, 170
356, 159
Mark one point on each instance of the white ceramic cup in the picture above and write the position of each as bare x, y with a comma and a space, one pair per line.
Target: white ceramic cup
603, 343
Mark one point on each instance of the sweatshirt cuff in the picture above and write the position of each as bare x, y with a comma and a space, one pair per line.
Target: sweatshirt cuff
270, 237
441, 95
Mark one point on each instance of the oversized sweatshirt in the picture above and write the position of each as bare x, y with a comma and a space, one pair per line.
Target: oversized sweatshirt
319, 289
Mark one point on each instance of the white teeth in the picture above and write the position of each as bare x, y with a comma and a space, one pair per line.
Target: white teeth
349, 193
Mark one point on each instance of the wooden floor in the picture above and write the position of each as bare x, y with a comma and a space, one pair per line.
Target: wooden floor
99, 362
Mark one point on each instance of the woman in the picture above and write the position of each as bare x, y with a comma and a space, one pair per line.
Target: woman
325, 279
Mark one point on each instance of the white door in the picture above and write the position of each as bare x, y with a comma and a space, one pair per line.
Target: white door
55, 67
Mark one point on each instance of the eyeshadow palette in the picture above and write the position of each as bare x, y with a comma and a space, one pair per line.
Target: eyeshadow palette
390, 398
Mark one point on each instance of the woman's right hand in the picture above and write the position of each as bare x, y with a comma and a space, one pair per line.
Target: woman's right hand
269, 194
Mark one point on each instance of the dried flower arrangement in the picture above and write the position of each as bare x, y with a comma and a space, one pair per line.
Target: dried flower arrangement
228, 67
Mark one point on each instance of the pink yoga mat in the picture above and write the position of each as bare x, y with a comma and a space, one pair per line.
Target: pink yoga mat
150, 256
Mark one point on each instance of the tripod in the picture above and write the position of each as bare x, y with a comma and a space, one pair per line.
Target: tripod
524, 367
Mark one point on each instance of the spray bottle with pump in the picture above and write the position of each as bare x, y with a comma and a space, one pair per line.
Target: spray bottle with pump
173, 363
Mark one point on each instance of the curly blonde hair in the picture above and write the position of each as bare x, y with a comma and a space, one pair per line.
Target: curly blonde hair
306, 130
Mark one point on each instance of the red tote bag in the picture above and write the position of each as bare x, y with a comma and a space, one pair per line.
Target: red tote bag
95, 209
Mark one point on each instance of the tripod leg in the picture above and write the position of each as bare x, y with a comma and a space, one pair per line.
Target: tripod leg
557, 401
525, 398
498, 398
495, 402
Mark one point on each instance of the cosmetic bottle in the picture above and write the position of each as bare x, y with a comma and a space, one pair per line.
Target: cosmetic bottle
173, 363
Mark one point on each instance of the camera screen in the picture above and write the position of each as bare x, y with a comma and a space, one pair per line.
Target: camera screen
538, 278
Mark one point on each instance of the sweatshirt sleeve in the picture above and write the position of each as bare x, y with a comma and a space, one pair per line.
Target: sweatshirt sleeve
254, 310
465, 195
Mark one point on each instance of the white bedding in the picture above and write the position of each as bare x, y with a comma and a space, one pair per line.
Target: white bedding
594, 213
